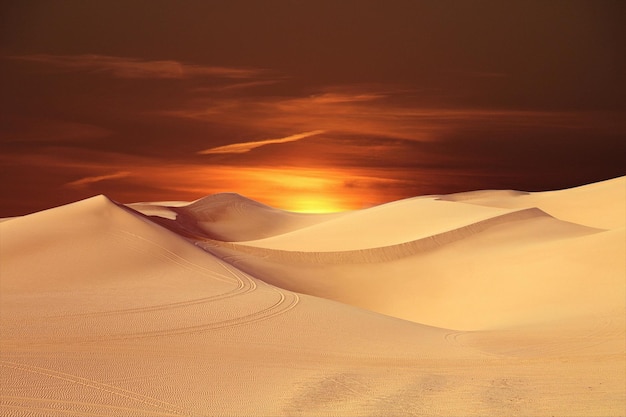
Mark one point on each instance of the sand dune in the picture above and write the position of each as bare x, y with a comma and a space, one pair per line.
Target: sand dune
94, 299
388, 224
599, 205
494, 271
483, 303
228, 217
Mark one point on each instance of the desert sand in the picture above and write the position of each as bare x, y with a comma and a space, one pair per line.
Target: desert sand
491, 302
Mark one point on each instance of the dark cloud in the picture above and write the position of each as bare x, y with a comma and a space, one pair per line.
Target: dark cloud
135, 68
413, 97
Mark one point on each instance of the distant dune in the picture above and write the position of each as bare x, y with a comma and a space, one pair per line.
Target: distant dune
492, 302
228, 217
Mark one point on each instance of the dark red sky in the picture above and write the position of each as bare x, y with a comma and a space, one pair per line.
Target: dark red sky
327, 104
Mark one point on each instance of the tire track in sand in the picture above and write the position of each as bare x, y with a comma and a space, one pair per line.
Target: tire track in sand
170, 408
244, 283
286, 302
77, 408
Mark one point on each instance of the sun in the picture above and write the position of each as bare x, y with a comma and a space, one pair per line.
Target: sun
315, 204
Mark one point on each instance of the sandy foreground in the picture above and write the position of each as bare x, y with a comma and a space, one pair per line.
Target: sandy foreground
480, 303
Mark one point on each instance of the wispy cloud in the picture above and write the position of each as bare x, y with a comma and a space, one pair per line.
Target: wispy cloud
248, 146
90, 180
123, 67
368, 113
236, 86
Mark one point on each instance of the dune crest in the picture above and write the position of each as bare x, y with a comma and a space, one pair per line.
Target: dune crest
600, 205
391, 252
229, 217
385, 225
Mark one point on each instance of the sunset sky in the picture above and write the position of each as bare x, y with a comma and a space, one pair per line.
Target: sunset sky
306, 105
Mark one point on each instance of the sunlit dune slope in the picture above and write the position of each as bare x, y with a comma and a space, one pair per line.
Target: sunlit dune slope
599, 205
134, 266
228, 217
522, 270
106, 313
384, 225
492, 302
471, 267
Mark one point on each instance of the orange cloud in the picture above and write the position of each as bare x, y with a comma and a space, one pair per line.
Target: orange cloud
90, 180
135, 178
122, 67
248, 146
383, 114
319, 184
235, 86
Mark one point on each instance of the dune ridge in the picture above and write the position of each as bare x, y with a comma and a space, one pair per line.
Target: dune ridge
382, 253
228, 217
600, 205
388, 224
492, 302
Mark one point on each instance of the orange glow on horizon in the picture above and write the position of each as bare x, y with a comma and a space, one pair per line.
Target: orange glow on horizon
304, 190
297, 189
314, 204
